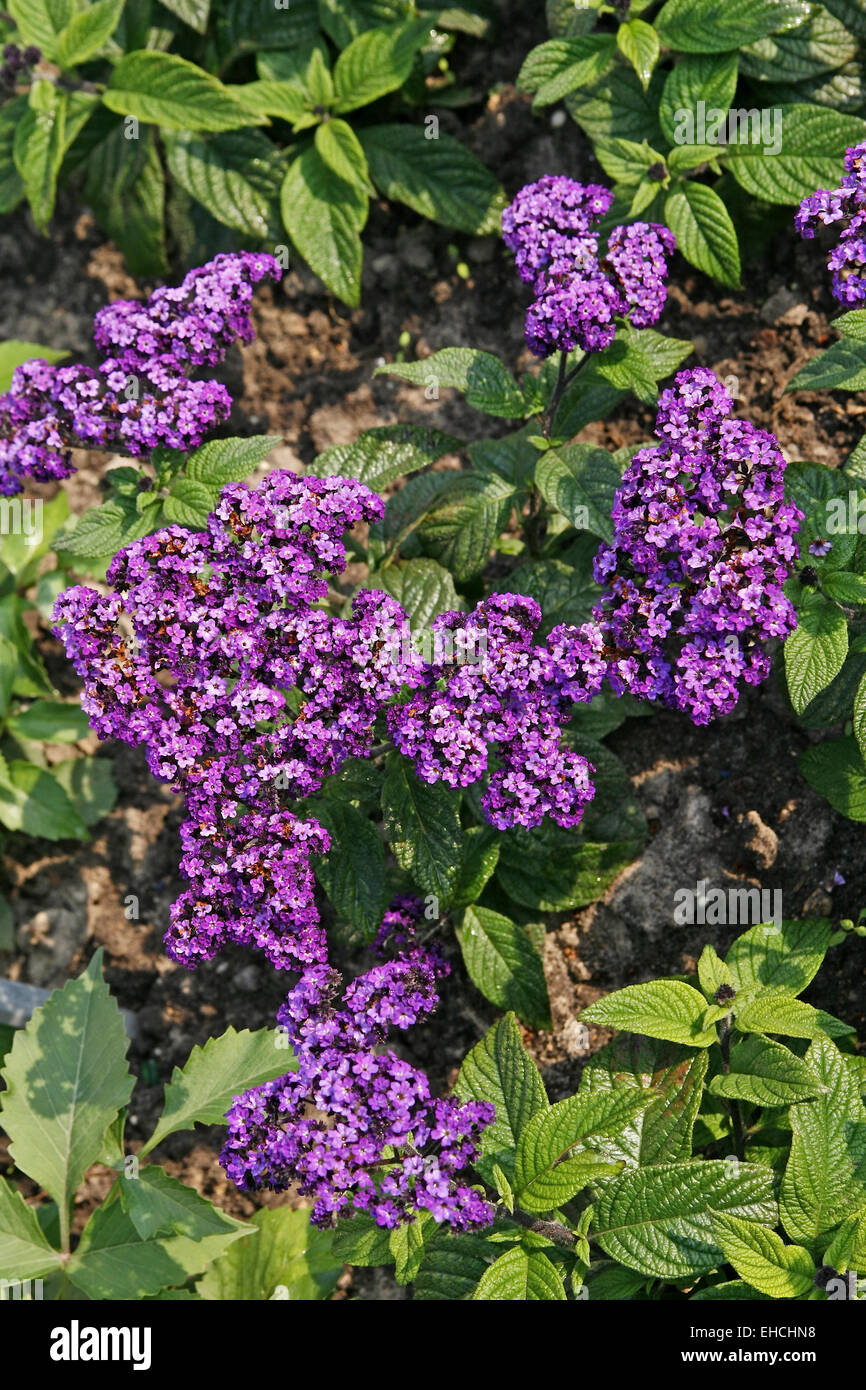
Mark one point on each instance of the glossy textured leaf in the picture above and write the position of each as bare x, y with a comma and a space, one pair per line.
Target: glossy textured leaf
66, 1079
235, 174
422, 588
352, 873
672, 1079
34, 802
560, 66
40, 22
714, 26
711, 78
440, 179
580, 481
815, 651
639, 44
222, 461
814, 141
376, 62
384, 453
547, 1173
324, 215
521, 1276
500, 1070
666, 1009
40, 140
88, 31
422, 826
817, 46
659, 1220
193, 12
485, 382
462, 530
841, 368
836, 769
705, 234
785, 957
766, 1073
763, 1259
504, 965
173, 93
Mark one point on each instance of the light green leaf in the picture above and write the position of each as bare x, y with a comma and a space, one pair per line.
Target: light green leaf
671, 1079
715, 26
561, 66
766, 1073
223, 461
407, 1246
39, 22
859, 717
66, 1079
173, 93
24, 1251
341, 150
836, 769
520, 1276
288, 1259
479, 376
202, 1090
500, 1070
580, 481
547, 1171
787, 957
158, 1204
324, 215
376, 62
504, 965
34, 802
189, 503
815, 651
195, 13
659, 1220
666, 1009
13, 353
235, 174
87, 32
462, 530
814, 140
704, 231
639, 44
89, 783
762, 1258
40, 140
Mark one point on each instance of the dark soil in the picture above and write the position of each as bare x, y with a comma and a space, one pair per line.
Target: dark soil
725, 804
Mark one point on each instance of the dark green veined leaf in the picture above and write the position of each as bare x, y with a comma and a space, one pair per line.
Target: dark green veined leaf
440, 179
704, 231
486, 382
710, 78
384, 453
452, 1267
422, 588
561, 66
247, 26
666, 1009
173, 93
423, 827
504, 965
480, 857
626, 162
551, 872
499, 1070
841, 368
123, 181
324, 215
40, 140
817, 46
344, 20
195, 13
189, 503
814, 141
836, 769
158, 1204
815, 651
565, 593
376, 62
619, 107
715, 26
580, 481
352, 873
461, 531
235, 174
11, 183
222, 461
658, 1220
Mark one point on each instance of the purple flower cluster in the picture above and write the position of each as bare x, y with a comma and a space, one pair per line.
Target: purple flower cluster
845, 204
377, 1142
142, 394
550, 228
704, 540
493, 687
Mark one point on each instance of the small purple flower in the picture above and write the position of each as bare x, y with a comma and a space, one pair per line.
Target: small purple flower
845, 205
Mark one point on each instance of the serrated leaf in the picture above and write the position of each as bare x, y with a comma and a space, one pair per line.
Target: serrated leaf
580, 481
384, 453
223, 461
499, 1070
836, 769
766, 1073
407, 1244
452, 1267
817, 46
547, 1171
202, 1090
158, 1204
461, 531
859, 716
189, 503
520, 1276
825, 1177
352, 873
815, 651
50, 721
287, 1259
779, 1013
440, 179
762, 1258
659, 1220
709, 78
504, 965
423, 827
785, 957
479, 376
716, 26
666, 1009
87, 32
170, 92
671, 1078
235, 174
324, 216
814, 141
841, 368
705, 234
24, 1251
66, 1078
846, 588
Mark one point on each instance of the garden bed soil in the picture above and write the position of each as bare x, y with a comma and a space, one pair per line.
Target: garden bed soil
725, 804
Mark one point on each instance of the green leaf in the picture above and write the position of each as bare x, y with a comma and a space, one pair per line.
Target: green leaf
123, 182
352, 873
40, 140
223, 461
846, 588
440, 179
189, 503
87, 32
50, 721
504, 965
766, 1073
173, 93
235, 174
324, 216
407, 1245
341, 150
500, 1070
814, 141
817, 46
201, 1091
825, 1177
33, 801
287, 1259
422, 588
704, 231
565, 593
552, 874
482, 378
712, 971
423, 827
836, 769
40, 22
815, 651
480, 857
195, 13
158, 1204
659, 1220
344, 20
359, 1241
787, 957
247, 26
89, 783
619, 106
452, 1267
66, 1078
762, 1258
100, 531
626, 161
696, 77
580, 481
376, 62
841, 368
666, 1009
462, 530
288, 100
547, 1173
859, 717
384, 453
520, 1276
714, 26
11, 183
671, 1079
639, 44
114, 1262
24, 1251
8, 671
561, 66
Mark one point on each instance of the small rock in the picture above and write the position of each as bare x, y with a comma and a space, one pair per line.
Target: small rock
778, 304
762, 841
248, 979
818, 904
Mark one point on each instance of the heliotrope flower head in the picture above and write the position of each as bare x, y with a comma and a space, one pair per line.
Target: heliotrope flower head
844, 206
143, 394
551, 228
703, 542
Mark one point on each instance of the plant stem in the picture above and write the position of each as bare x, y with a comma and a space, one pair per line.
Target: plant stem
563, 381
733, 1105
